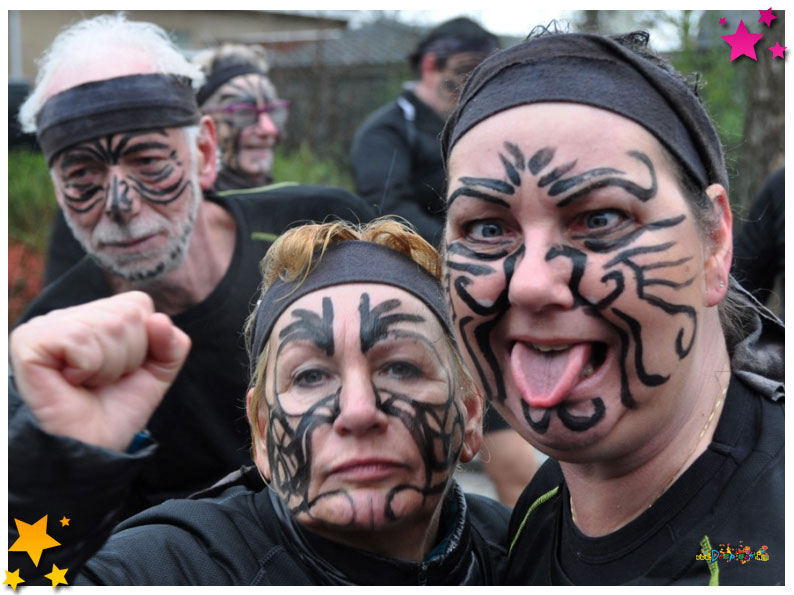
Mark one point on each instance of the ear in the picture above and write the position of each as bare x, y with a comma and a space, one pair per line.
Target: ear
207, 143
472, 436
259, 436
719, 250
428, 65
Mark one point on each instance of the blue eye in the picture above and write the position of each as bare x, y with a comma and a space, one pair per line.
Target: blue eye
603, 220
485, 230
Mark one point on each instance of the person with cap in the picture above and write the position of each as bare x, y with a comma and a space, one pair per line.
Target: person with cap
133, 161
396, 155
360, 408
588, 246
249, 117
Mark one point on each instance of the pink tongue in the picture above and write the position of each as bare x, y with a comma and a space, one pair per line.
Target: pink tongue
545, 378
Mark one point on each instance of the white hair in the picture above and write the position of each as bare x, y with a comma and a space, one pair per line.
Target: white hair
91, 38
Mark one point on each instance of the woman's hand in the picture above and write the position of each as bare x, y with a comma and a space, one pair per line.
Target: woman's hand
96, 372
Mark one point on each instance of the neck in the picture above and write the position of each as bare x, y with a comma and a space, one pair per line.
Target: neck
205, 264
599, 490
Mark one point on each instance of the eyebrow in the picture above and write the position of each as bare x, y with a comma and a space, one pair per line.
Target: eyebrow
144, 146
489, 183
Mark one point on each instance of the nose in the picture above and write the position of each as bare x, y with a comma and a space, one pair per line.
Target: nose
359, 406
119, 202
542, 277
266, 126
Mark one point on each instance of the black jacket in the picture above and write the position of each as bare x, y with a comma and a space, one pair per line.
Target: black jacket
397, 163
201, 425
236, 533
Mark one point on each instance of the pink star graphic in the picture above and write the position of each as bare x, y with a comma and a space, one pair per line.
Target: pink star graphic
777, 50
767, 17
742, 42
723, 22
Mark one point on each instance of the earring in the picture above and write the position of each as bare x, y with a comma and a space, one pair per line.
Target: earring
722, 283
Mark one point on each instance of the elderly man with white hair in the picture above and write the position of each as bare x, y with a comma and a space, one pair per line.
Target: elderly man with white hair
132, 161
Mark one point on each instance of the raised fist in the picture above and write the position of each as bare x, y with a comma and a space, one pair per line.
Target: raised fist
96, 372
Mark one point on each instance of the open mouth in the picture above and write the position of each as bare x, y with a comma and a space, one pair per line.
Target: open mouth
544, 374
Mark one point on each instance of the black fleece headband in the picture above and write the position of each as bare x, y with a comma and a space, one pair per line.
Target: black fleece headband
348, 262
596, 71
221, 74
120, 104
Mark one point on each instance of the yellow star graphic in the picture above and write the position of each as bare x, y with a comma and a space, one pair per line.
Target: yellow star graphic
65, 521
57, 576
13, 579
33, 539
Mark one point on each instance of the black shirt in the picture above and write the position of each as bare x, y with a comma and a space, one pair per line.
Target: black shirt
717, 498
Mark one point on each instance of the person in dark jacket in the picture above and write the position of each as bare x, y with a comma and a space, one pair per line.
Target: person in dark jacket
759, 252
396, 154
360, 408
588, 244
136, 190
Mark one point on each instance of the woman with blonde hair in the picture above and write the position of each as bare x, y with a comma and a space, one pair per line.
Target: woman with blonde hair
360, 409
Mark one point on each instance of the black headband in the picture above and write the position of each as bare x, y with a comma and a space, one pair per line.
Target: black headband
596, 71
221, 75
348, 262
120, 104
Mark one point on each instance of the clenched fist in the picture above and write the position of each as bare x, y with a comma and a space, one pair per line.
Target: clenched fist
96, 372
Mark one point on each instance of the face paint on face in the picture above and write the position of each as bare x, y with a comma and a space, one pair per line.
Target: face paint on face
364, 428
131, 200
247, 148
571, 274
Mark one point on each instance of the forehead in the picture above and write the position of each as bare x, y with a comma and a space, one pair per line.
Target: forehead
250, 85
114, 62
347, 298
587, 134
114, 146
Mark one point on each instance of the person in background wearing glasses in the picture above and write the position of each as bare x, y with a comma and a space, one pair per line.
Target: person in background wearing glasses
136, 188
249, 117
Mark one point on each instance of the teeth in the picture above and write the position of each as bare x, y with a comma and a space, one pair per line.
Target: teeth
545, 348
588, 370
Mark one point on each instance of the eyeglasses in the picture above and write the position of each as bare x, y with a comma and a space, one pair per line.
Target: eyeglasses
246, 114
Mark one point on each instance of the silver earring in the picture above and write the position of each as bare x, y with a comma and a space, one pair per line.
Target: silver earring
722, 283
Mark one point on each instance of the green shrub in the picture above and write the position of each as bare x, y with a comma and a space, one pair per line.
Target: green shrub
303, 167
31, 201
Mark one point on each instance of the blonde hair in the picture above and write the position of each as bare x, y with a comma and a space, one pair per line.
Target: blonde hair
292, 258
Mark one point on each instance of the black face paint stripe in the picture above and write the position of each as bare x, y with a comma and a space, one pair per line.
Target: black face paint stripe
542, 425
556, 174
309, 326
477, 270
594, 244
540, 160
458, 248
470, 192
510, 171
639, 365
519, 161
374, 325
636, 190
579, 423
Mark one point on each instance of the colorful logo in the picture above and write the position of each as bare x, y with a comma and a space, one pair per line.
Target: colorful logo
741, 553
